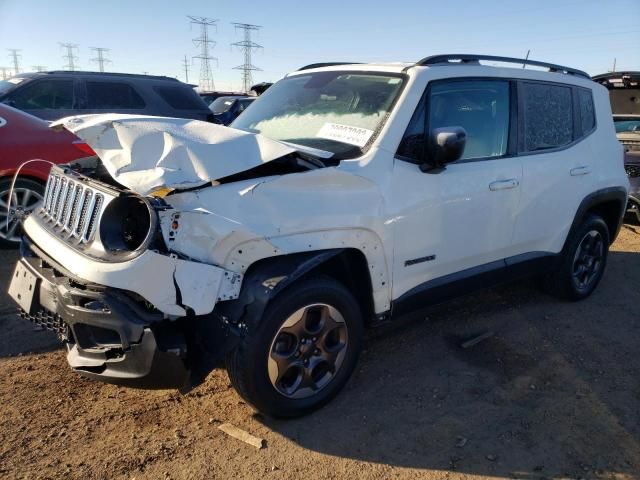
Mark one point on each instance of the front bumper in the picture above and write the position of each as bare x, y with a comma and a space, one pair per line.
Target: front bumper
110, 334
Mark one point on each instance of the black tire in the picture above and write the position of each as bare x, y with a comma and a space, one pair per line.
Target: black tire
248, 363
21, 186
564, 282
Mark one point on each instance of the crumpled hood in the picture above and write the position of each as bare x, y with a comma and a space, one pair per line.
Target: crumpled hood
146, 153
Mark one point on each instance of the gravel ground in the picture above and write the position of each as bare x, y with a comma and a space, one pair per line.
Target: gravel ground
554, 393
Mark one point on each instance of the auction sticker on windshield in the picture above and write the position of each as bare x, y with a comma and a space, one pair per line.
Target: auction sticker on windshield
346, 134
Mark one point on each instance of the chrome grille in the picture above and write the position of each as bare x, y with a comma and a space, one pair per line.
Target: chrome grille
71, 207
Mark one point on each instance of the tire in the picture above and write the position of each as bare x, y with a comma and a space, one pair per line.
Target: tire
583, 261
278, 389
29, 193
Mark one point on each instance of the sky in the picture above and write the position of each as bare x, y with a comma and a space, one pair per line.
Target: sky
154, 36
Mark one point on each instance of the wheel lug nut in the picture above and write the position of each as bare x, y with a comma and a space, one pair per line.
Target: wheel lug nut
314, 339
317, 351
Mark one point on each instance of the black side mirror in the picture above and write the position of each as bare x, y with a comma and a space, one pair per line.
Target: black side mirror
445, 145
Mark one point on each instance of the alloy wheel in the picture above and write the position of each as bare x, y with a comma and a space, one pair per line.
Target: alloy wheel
588, 260
308, 351
23, 202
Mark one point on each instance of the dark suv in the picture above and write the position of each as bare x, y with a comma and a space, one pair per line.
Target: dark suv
58, 94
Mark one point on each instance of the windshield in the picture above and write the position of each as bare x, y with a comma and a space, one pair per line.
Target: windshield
624, 125
221, 104
335, 111
6, 85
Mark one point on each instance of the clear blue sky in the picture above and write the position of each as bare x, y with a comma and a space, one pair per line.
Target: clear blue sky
154, 36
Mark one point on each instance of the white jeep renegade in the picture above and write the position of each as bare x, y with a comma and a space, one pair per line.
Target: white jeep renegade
343, 196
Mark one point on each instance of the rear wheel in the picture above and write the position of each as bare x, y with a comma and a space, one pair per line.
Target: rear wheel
583, 261
303, 350
27, 194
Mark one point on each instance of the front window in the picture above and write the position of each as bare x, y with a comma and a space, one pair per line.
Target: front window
222, 104
340, 112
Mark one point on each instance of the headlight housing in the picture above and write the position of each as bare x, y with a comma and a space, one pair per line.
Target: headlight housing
127, 226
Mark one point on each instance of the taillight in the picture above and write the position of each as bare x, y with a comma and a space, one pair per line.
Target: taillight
83, 147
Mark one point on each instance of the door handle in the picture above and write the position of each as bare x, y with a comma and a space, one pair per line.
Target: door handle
503, 184
583, 170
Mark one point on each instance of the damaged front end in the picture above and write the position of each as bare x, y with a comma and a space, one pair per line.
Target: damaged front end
95, 269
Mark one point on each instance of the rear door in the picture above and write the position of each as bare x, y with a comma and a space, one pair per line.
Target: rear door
555, 123
450, 222
46, 98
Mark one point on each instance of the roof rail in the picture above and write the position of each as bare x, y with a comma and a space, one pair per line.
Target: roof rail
465, 58
110, 74
326, 64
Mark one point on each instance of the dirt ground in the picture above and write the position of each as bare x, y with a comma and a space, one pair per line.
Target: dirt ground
555, 393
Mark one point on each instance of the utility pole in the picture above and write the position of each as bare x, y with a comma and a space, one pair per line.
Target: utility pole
39, 68
185, 64
70, 56
614, 65
100, 59
4, 71
206, 77
15, 56
248, 46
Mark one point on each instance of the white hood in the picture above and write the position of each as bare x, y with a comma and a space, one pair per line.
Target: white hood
146, 153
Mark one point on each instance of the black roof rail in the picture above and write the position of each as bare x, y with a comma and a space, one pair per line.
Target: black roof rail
112, 74
327, 64
466, 58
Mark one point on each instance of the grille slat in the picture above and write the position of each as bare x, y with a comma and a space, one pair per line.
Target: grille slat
72, 207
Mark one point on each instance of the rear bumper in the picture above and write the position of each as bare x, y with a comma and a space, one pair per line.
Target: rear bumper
110, 334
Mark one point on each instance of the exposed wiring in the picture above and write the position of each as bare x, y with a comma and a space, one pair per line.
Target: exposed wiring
13, 184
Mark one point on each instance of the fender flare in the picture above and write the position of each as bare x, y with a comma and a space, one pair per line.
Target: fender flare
596, 198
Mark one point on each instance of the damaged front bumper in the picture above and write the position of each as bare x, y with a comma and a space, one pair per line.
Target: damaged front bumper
138, 323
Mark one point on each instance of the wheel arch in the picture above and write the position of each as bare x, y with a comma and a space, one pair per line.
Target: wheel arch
609, 203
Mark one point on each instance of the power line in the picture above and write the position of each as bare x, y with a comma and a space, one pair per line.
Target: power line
248, 46
70, 56
15, 56
203, 41
100, 59
39, 68
185, 64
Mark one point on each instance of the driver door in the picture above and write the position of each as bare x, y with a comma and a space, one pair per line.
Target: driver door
453, 223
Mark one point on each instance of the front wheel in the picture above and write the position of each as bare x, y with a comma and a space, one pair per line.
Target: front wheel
583, 261
302, 351
27, 194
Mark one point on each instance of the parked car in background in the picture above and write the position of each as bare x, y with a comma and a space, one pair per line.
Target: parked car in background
209, 97
345, 196
624, 95
226, 109
24, 137
57, 94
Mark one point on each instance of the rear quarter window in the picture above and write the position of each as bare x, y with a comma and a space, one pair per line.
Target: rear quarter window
102, 95
587, 114
180, 98
548, 116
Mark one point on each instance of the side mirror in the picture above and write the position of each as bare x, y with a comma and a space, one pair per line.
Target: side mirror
445, 145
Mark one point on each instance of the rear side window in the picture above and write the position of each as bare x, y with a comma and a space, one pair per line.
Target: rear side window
180, 98
587, 115
44, 94
113, 95
548, 116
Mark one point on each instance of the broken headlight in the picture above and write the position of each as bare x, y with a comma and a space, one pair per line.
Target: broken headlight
127, 226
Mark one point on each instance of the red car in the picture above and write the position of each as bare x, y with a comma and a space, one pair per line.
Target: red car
24, 137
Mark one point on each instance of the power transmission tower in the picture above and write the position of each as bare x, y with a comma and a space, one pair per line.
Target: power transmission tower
185, 64
39, 68
203, 41
70, 56
15, 56
248, 46
4, 72
100, 59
